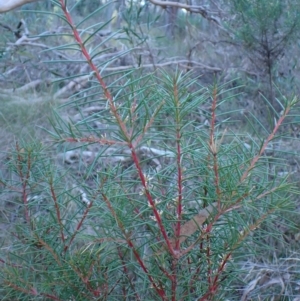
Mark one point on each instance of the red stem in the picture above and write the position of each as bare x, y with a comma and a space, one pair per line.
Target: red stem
179, 183
61, 227
24, 180
174, 280
213, 147
179, 187
86, 54
31, 291
79, 225
263, 148
151, 201
127, 274
220, 270
118, 118
158, 289
179, 168
208, 254
213, 116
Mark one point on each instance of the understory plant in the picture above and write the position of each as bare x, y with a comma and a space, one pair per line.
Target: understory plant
154, 204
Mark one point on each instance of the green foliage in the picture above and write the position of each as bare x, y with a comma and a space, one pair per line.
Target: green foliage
262, 22
266, 30
157, 206
112, 232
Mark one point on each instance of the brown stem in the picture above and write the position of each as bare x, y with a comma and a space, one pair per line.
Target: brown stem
57, 209
126, 272
79, 225
24, 178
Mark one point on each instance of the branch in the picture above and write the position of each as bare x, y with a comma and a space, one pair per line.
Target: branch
179, 62
190, 8
26, 87
7, 5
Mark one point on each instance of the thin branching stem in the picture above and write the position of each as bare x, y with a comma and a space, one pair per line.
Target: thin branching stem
158, 289
122, 253
214, 147
24, 178
179, 166
32, 291
95, 70
265, 144
80, 223
57, 209
126, 272
151, 201
118, 118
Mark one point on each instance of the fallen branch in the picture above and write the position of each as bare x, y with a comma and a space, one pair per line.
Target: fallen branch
7, 5
25, 88
190, 8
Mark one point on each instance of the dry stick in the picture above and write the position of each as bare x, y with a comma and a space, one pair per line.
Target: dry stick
195, 223
93, 139
7, 5
190, 8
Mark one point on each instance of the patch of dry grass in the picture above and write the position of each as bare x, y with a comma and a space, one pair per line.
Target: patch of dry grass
25, 119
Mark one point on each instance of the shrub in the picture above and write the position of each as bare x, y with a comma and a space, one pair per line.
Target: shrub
159, 204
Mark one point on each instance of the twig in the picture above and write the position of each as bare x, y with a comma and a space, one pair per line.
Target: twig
190, 8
